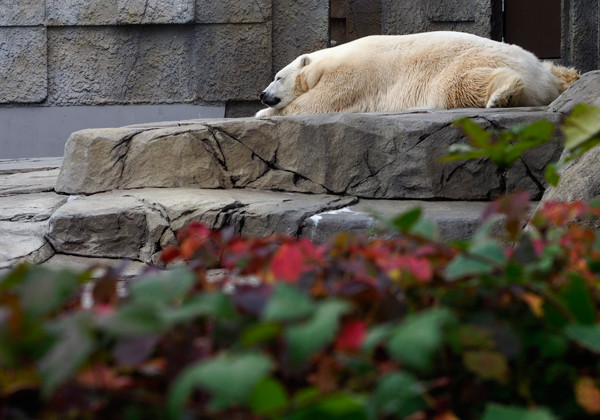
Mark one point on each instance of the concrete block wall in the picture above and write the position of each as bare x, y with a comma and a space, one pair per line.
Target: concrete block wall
480, 17
93, 52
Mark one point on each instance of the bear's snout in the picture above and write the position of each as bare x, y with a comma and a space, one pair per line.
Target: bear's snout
268, 99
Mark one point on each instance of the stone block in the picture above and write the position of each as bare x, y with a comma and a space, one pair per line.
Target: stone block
23, 65
81, 12
299, 27
233, 61
21, 12
451, 11
118, 12
395, 155
23, 242
413, 16
100, 65
28, 182
584, 91
233, 11
155, 11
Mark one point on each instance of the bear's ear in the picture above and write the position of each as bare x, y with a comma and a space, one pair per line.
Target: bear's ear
304, 61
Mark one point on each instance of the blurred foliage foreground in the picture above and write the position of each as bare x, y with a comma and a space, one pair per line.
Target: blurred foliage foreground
503, 326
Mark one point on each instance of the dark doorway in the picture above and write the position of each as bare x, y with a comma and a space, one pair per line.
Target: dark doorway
534, 25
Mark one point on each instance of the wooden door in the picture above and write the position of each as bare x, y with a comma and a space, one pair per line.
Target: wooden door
534, 25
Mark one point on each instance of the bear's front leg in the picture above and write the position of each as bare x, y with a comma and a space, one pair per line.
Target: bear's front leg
267, 112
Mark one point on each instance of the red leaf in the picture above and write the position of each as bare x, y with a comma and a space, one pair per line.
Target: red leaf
292, 260
170, 254
352, 335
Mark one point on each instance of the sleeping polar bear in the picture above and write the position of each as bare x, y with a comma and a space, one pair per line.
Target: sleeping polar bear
435, 70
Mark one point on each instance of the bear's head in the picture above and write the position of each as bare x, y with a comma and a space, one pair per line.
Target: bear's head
291, 82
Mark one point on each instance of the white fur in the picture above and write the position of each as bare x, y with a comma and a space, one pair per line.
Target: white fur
434, 70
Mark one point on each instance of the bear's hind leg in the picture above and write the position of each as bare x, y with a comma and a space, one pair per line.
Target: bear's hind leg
505, 88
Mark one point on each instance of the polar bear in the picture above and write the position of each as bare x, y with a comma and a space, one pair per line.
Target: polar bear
433, 70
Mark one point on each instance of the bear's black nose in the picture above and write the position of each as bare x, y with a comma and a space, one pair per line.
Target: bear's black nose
262, 95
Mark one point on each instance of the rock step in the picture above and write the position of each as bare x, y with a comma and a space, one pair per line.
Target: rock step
138, 224
387, 155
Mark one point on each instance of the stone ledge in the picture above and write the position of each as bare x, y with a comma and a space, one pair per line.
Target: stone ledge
392, 156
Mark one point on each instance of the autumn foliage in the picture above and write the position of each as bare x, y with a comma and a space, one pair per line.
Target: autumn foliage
502, 326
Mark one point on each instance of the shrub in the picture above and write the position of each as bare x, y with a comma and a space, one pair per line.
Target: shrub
503, 326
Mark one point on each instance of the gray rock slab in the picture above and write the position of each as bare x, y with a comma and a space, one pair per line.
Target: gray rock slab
127, 268
136, 224
14, 166
454, 219
232, 11
585, 90
29, 207
28, 182
23, 64
395, 155
235, 61
123, 64
106, 225
579, 181
23, 242
21, 12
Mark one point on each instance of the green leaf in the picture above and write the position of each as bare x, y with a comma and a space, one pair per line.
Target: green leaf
536, 133
133, 320
332, 407
482, 258
552, 175
426, 229
419, 337
478, 136
216, 305
260, 333
576, 298
44, 291
407, 220
375, 336
288, 303
164, 287
397, 394
501, 412
317, 332
229, 378
487, 365
581, 126
73, 346
268, 396
587, 336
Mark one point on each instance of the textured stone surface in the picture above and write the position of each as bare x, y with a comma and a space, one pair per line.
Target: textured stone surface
15, 166
128, 64
23, 61
234, 61
580, 44
28, 182
299, 27
137, 224
29, 207
127, 268
233, 11
122, 12
455, 219
405, 17
155, 11
368, 155
81, 12
21, 12
23, 242
580, 179
585, 90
